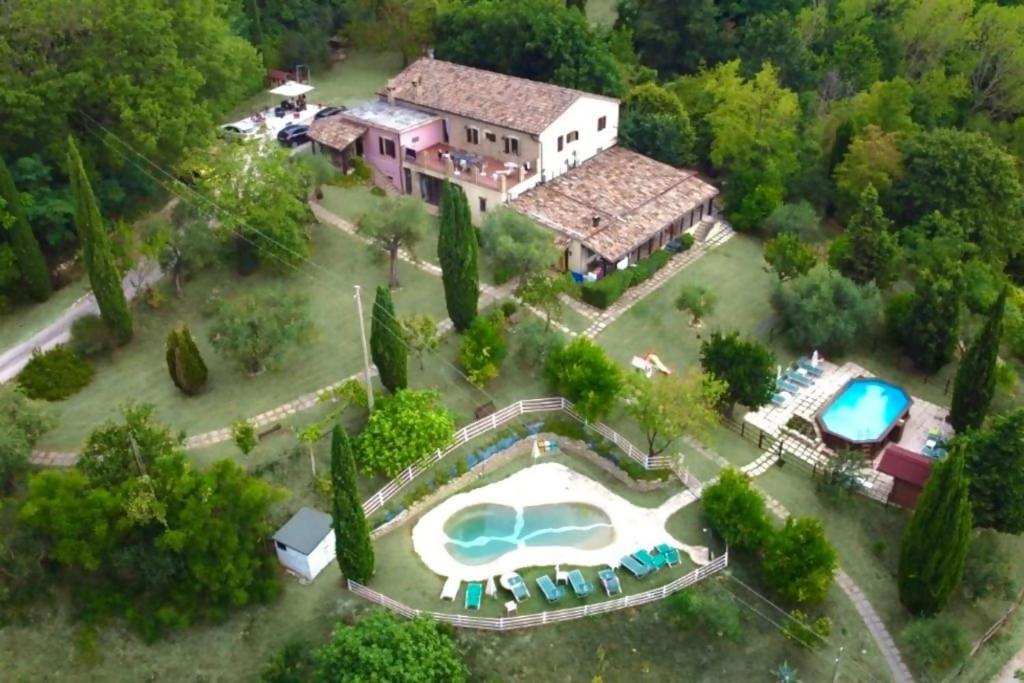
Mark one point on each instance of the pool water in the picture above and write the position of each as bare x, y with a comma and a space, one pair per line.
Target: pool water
865, 409
482, 533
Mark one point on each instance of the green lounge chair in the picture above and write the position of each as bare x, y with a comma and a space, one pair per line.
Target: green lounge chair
786, 385
474, 594
580, 586
810, 368
797, 378
654, 562
634, 567
610, 582
550, 589
518, 587
670, 554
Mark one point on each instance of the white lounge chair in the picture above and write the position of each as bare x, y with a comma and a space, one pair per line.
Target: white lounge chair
451, 588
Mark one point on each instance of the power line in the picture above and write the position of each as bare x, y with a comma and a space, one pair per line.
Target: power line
177, 185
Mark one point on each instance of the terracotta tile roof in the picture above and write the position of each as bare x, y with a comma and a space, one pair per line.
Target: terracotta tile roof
905, 465
508, 101
336, 132
633, 196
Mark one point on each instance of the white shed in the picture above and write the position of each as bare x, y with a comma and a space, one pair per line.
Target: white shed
305, 544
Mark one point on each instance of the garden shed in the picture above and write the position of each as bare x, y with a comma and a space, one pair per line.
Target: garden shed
909, 471
305, 544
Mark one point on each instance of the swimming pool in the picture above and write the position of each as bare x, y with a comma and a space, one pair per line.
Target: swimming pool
864, 412
483, 533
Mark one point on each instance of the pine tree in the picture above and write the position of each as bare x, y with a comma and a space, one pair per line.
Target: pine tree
104, 275
869, 249
931, 328
387, 345
976, 378
351, 533
458, 251
30, 259
936, 541
184, 362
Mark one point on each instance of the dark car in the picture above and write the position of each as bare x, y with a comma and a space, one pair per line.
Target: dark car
294, 134
328, 111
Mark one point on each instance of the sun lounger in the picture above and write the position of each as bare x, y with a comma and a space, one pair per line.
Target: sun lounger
802, 380
811, 368
653, 561
670, 554
778, 399
552, 591
451, 588
635, 567
580, 586
786, 385
610, 582
515, 584
474, 594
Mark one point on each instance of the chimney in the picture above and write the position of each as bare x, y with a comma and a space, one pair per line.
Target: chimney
416, 89
389, 89
595, 221
430, 53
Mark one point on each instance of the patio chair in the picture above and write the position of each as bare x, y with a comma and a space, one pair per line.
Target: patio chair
786, 385
580, 586
778, 399
450, 590
655, 562
552, 591
811, 369
474, 595
635, 567
796, 377
515, 584
670, 554
610, 582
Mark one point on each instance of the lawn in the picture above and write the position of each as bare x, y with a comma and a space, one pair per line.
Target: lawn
354, 80
138, 372
25, 319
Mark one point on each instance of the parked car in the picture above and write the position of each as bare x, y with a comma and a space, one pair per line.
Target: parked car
329, 111
240, 130
294, 134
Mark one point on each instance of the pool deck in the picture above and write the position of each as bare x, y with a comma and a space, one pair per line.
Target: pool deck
544, 484
807, 402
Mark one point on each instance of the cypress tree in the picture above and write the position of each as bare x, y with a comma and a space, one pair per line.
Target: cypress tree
387, 346
457, 250
353, 546
976, 378
937, 539
184, 362
869, 248
31, 263
104, 275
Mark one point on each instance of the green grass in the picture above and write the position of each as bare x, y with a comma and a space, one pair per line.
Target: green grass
350, 82
25, 319
138, 372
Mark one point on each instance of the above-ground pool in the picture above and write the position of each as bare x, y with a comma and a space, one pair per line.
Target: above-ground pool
864, 413
482, 533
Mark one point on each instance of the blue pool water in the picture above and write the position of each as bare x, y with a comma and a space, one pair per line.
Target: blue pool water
865, 409
482, 533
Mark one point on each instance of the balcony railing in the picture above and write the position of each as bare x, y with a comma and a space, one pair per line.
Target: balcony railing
471, 167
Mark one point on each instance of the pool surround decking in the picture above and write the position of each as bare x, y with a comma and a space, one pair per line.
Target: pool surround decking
550, 483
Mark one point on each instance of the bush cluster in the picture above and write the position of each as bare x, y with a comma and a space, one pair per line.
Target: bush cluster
56, 374
90, 336
608, 289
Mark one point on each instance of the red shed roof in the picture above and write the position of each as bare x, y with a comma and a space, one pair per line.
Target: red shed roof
905, 465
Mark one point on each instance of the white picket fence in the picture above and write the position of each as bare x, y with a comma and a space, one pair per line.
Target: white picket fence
554, 616
496, 420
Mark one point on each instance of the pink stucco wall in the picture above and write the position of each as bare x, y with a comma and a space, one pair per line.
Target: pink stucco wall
386, 167
424, 136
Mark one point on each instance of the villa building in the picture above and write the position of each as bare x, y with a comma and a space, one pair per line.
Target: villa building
544, 150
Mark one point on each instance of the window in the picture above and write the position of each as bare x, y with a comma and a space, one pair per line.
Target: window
387, 147
511, 145
415, 139
281, 546
573, 136
491, 137
602, 123
473, 136
561, 143
483, 205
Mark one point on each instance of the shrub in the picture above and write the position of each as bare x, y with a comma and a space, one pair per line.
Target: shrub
484, 348
535, 343
583, 373
184, 362
807, 633
55, 375
799, 563
244, 436
737, 511
935, 644
90, 336
509, 308
648, 267
608, 289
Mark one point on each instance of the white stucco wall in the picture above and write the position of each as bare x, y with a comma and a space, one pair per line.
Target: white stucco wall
581, 117
308, 566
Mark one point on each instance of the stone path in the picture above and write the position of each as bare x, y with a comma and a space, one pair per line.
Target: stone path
720, 234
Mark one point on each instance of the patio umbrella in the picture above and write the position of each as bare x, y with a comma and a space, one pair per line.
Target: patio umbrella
490, 590
536, 451
778, 372
815, 358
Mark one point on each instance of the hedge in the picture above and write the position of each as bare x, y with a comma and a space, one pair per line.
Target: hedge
608, 289
55, 375
649, 266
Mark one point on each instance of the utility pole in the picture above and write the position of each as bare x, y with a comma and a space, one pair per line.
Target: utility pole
366, 350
